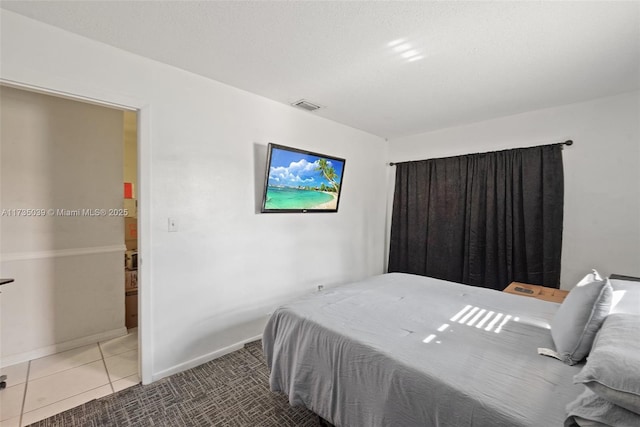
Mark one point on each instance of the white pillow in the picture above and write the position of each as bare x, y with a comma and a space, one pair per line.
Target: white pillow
579, 317
626, 296
612, 370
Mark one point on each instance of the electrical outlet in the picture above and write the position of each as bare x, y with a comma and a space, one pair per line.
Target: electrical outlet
173, 225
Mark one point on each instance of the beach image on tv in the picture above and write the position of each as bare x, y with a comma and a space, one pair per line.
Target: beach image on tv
303, 181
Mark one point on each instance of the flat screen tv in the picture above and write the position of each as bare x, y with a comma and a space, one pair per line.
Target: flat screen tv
301, 181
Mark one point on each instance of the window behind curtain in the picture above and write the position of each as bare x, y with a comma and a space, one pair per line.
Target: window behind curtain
482, 219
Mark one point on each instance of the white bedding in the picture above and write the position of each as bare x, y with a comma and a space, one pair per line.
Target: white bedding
404, 350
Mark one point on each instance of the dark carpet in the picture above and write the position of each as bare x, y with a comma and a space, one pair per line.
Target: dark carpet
232, 390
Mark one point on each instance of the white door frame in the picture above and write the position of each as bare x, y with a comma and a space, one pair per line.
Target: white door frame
100, 96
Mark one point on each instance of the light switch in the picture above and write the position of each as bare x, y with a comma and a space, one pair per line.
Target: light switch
173, 224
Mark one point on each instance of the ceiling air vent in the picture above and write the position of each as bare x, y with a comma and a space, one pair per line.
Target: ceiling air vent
305, 105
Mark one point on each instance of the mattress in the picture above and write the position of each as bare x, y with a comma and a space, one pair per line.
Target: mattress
405, 350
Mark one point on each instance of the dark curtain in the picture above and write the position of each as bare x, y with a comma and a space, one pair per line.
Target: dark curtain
482, 219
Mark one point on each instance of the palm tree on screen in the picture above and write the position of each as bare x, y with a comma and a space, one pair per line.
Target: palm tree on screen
329, 172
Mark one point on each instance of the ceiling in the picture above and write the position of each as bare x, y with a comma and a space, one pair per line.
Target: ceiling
473, 61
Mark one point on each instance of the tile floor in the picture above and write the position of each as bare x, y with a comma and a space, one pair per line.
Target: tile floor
47, 386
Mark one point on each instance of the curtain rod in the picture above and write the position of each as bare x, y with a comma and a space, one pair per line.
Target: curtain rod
567, 142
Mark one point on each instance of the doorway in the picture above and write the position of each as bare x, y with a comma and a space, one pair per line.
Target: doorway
54, 162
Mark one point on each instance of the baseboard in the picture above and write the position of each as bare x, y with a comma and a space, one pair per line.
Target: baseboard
248, 340
203, 359
64, 346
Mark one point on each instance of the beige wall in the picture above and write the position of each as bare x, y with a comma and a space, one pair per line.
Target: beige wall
131, 149
130, 146
57, 154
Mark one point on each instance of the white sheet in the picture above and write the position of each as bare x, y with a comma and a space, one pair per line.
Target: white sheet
404, 350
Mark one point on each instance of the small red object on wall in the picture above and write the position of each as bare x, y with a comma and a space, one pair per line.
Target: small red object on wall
128, 190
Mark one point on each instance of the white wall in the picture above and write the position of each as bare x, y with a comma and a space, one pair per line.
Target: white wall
58, 155
602, 173
211, 284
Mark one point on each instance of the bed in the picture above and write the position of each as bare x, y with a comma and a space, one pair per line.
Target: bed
405, 350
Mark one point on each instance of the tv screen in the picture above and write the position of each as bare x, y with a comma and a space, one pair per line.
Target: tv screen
301, 181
